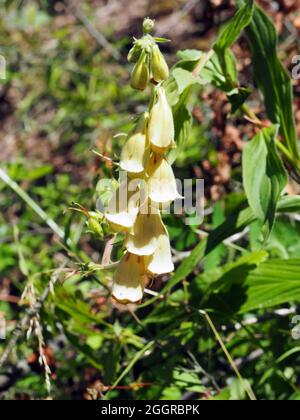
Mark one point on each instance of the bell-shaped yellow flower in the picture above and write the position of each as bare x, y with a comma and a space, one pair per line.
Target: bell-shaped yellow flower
136, 151
161, 261
162, 186
129, 279
159, 67
161, 130
123, 209
143, 239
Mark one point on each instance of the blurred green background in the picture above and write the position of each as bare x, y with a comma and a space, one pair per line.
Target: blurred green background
67, 93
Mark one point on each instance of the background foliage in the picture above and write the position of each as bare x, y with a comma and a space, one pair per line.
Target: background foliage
67, 92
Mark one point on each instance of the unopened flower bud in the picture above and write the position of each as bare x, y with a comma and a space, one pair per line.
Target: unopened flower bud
94, 224
136, 151
159, 66
148, 25
129, 279
140, 73
134, 53
161, 130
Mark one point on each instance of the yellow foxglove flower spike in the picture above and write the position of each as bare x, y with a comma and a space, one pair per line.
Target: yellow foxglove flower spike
123, 209
162, 186
161, 130
136, 151
143, 239
140, 74
161, 261
129, 279
159, 66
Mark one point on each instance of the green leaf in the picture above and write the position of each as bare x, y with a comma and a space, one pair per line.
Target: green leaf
289, 204
185, 79
183, 123
223, 277
232, 30
264, 176
271, 77
234, 224
215, 257
84, 349
238, 97
273, 283
221, 71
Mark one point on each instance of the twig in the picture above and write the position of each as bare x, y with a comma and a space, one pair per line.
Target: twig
202, 62
244, 383
30, 313
180, 14
107, 251
10, 299
98, 36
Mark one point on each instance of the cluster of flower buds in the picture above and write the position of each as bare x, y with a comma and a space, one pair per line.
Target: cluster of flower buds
137, 211
150, 64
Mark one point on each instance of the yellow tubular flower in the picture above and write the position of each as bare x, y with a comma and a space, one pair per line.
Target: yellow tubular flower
122, 210
162, 186
159, 67
143, 240
129, 279
161, 261
136, 151
161, 130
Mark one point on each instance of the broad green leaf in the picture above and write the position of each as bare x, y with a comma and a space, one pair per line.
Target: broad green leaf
289, 204
238, 97
233, 224
223, 75
232, 30
271, 77
273, 283
223, 277
183, 122
264, 176
185, 79
221, 71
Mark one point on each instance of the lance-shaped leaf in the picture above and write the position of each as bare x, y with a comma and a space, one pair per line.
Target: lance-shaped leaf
271, 77
264, 175
232, 30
